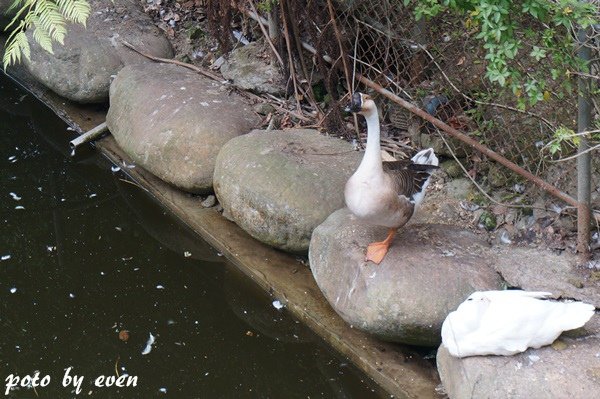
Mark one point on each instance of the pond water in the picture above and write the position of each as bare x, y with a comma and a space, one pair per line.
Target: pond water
86, 254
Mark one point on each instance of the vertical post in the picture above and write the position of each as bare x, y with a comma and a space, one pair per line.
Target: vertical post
584, 177
273, 24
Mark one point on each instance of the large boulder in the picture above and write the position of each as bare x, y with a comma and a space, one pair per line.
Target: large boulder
429, 270
249, 68
81, 69
173, 122
280, 185
570, 368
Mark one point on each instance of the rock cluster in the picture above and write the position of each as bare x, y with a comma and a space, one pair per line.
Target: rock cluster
81, 69
428, 272
173, 122
280, 185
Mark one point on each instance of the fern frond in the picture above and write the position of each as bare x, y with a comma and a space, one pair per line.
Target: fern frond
49, 20
17, 18
76, 11
17, 4
41, 36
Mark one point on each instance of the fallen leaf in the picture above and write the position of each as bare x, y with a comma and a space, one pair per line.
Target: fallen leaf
124, 335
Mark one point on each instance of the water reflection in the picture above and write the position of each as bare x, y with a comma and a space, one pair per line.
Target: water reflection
86, 255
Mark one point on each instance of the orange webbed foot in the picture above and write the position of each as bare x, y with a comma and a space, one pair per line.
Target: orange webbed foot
376, 251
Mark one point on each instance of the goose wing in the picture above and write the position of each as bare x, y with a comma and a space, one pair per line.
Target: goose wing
408, 177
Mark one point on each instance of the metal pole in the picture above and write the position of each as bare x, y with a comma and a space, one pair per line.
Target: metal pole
89, 136
584, 174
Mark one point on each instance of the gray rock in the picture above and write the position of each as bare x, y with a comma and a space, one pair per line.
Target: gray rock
81, 69
434, 141
249, 69
538, 270
428, 272
570, 368
209, 202
173, 122
452, 168
458, 188
280, 185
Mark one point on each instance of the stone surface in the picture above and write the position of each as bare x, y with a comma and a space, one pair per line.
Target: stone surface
459, 188
280, 185
428, 272
173, 122
538, 270
570, 368
81, 69
249, 69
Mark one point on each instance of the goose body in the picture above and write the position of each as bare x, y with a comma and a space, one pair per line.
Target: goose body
385, 193
509, 322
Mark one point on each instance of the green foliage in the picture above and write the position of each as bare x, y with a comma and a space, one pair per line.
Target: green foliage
511, 30
563, 136
267, 5
48, 18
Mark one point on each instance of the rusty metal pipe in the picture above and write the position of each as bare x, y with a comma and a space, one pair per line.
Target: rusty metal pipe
89, 136
469, 141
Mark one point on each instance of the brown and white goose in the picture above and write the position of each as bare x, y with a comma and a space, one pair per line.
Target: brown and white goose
385, 193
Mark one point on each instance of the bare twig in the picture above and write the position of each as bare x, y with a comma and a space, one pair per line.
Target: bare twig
170, 61
117, 366
286, 34
267, 37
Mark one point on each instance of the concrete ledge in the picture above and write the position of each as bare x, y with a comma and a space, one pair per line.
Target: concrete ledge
398, 369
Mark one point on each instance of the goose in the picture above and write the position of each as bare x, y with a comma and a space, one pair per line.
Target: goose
385, 193
509, 322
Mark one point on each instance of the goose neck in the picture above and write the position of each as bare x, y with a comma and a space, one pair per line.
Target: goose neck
372, 157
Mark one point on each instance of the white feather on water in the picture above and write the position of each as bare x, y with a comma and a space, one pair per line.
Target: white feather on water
149, 344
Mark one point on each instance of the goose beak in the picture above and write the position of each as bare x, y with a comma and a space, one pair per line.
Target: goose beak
355, 104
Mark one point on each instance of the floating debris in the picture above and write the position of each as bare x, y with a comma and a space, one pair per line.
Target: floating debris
124, 335
149, 344
15, 196
278, 305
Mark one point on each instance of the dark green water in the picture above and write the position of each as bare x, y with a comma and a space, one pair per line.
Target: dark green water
86, 254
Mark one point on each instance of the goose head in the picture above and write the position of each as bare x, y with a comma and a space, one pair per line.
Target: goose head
361, 104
